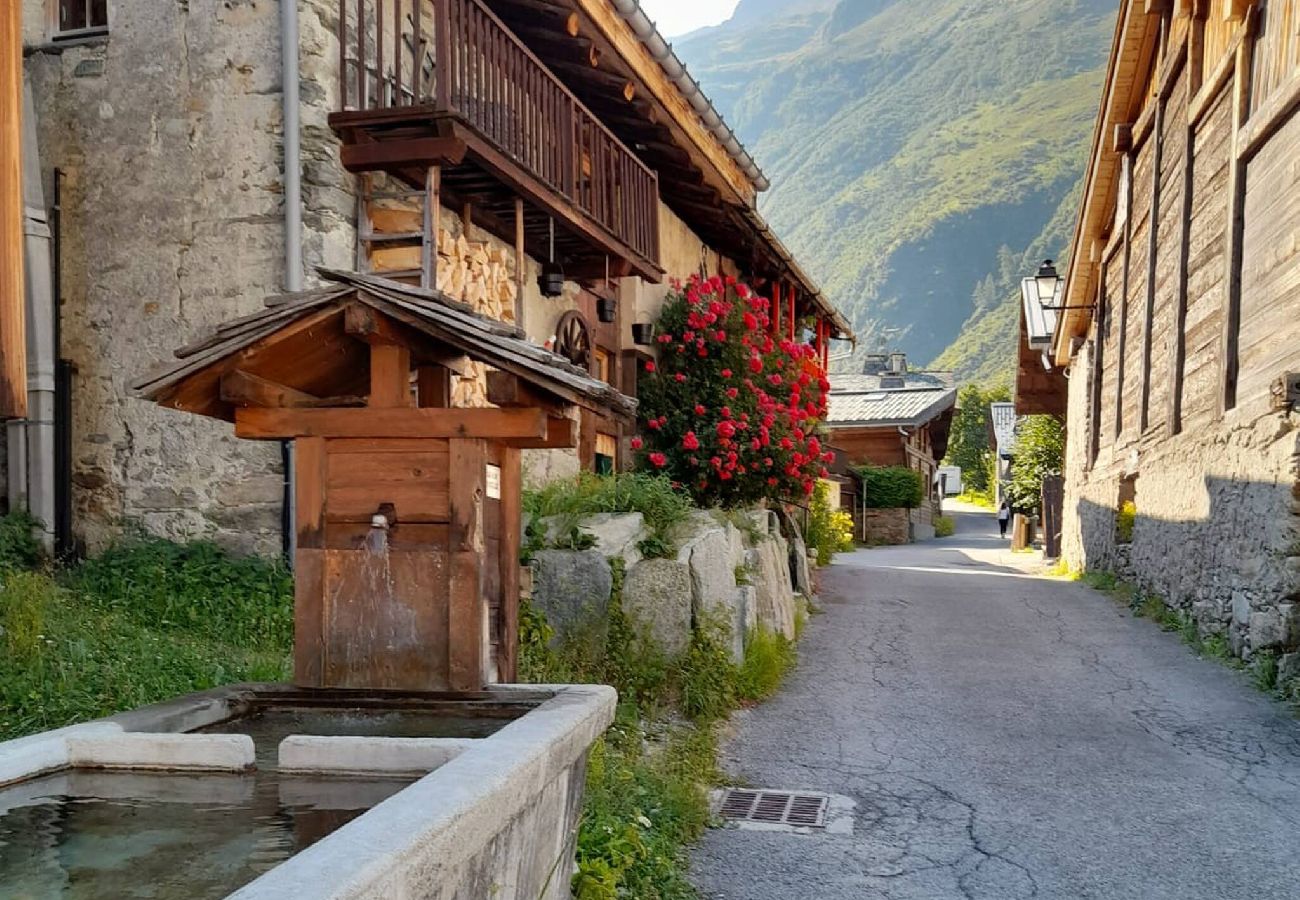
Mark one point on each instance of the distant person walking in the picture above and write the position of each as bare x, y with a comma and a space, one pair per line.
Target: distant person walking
1004, 517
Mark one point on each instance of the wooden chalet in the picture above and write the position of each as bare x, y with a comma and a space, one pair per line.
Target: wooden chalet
564, 128
892, 417
408, 511
1179, 314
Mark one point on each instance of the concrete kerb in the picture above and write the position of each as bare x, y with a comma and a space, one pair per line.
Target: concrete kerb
170, 752
405, 846
353, 755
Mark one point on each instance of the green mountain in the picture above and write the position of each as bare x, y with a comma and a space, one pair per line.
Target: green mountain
923, 156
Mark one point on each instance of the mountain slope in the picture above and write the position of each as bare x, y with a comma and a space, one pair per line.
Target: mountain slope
917, 152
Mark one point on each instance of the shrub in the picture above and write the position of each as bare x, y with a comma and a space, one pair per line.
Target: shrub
728, 411
195, 587
1040, 451
768, 657
19, 548
968, 445
573, 499
1124, 520
830, 531
944, 526
891, 487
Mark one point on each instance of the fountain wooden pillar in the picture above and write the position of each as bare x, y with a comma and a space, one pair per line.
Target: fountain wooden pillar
408, 510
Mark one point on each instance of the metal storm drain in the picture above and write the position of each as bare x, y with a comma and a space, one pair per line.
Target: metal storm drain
766, 807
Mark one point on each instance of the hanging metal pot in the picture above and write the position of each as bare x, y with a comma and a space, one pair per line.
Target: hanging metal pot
606, 309
643, 333
551, 281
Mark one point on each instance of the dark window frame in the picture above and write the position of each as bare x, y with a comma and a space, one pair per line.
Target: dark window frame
80, 18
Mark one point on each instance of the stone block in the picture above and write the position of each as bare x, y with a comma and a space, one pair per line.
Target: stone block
1240, 608
1266, 630
709, 554
617, 535
351, 753
769, 565
1288, 668
572, 589
136, 750
657, 599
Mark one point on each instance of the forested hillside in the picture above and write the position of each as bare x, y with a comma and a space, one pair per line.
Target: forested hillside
923, 156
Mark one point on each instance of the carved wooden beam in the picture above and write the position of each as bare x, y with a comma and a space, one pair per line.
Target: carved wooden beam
246, 389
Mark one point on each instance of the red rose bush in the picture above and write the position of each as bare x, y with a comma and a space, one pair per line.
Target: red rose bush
731, 412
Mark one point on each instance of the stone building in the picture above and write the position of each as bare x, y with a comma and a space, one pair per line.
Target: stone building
1179, 321
474, 145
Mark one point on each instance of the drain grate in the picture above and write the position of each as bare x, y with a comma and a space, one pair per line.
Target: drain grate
775, 807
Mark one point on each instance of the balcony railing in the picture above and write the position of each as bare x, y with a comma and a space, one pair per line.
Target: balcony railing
456, 57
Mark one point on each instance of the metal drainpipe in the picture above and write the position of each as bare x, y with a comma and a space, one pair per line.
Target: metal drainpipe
292, 231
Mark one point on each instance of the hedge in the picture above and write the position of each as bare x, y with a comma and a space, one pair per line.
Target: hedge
891, 487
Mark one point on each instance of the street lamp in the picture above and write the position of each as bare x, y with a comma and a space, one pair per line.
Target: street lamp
1047, 284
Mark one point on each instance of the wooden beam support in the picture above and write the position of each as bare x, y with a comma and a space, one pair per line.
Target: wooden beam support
433, 387
1123, 138
512, 392
508, 559
466, 617
561, 434
13, 326
492, 424
366, 324
390, 376
392, 154
246, 389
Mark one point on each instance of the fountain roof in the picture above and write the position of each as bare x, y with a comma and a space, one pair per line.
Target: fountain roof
312, 346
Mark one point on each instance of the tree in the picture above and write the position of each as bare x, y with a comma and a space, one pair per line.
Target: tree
968, 443
1040, 451
729, 412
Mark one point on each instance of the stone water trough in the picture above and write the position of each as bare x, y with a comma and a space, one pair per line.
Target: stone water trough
266, 791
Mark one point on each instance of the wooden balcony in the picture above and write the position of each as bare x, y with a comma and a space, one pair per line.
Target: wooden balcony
445, 83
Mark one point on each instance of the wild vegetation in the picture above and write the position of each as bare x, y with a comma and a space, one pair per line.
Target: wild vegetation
830, 530
145, 621
648, 778
1040, 451
923, 223
968, 441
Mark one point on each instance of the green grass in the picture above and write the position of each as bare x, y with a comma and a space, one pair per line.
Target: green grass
981, 498
573, 499
116, 632
768, 657
944, 526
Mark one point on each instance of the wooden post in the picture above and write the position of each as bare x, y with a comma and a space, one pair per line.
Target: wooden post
465, 618
309, 563
511, 517
1153, 249
1228, 345
433, 386
390, 375
520, 266
13, 328
432, 213
775, 320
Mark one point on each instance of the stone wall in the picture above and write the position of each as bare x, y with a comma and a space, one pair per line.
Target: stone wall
721, 576
1217, 532
886, 526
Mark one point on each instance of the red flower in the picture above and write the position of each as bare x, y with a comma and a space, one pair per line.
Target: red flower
732, 393
699, 409
679, 377
726, 373
658, 460
756, 364
691, 442
653, 424
649, 365
721, 336
637, 443
726, 429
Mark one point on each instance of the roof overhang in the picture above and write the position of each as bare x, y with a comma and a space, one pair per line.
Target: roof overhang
1041, 387
1132, 52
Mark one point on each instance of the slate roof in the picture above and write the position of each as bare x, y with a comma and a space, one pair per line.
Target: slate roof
478, 337
860, 400
1002, 417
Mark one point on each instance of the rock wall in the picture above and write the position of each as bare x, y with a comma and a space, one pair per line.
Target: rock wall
1217, 532
720, 577
887, 526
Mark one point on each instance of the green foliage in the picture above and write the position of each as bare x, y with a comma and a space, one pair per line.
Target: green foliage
195, 588
944, 526
573, 499
19, 548
1124, 520
729, 412
1263, 670
891, 487
657, 547
707, 677
968, 441
768, 657
1040, 451
829, 531
83, 644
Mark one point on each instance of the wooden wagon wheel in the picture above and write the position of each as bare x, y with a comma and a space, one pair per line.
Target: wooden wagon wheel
573, 339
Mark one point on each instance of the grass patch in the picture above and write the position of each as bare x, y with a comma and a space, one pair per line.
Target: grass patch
768, 657
945, 526
978, 498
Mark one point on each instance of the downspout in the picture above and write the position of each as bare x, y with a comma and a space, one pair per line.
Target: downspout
292, 232
31, 440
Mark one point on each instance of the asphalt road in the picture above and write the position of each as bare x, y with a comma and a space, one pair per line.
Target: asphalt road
1007, 736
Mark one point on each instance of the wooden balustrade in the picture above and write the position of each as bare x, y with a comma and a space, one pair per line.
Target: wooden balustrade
455, 57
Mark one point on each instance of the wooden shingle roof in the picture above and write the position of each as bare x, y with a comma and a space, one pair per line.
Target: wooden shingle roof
301, 340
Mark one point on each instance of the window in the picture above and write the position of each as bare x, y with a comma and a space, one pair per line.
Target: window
81, 17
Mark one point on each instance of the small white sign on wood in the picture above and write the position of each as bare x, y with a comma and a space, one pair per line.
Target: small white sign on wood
493, 479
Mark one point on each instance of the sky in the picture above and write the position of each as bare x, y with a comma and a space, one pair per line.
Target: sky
676, 17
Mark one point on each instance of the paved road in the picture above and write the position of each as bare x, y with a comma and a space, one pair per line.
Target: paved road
1008, 736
